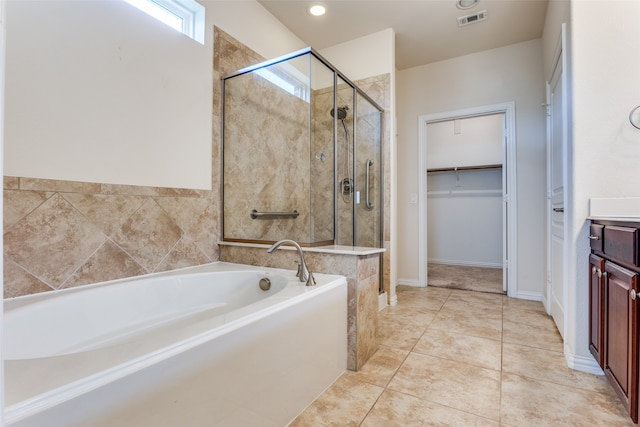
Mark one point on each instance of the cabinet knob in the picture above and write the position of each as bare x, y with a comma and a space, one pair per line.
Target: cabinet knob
594, 237
594, 270
634, 294
600, 273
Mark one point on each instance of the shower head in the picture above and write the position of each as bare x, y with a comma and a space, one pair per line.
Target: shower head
342, 112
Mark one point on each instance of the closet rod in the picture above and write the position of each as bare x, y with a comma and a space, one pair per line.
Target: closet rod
464, 168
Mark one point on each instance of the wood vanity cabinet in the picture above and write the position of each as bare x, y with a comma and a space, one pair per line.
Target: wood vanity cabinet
613, 307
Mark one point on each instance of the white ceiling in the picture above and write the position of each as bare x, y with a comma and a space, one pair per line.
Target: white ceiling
426, 30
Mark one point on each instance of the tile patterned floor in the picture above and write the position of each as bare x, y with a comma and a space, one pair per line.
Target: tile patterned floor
460, 358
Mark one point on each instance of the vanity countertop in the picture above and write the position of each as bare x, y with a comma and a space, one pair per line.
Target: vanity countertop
615, 209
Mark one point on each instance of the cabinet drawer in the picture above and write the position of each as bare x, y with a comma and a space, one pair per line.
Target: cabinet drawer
621, 243
596, 237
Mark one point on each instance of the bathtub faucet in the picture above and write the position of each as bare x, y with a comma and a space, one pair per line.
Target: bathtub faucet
303, 272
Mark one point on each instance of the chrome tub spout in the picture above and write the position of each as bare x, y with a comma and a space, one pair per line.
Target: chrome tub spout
303, 271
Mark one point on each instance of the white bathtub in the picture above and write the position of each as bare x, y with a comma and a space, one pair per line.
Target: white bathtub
201, 346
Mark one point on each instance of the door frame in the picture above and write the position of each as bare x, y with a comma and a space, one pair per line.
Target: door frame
559, 60
510, 235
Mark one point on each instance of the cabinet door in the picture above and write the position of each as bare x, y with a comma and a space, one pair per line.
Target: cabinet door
621, 353
596, 308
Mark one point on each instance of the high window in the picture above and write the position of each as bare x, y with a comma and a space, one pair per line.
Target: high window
186, 16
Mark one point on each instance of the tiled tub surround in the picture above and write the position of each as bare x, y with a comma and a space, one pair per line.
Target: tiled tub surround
60, 234
359, 265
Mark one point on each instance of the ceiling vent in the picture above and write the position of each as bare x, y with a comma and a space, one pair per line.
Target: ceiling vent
472, 19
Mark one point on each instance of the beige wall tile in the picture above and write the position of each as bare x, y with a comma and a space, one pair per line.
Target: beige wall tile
18, 282
109, 262
37, 184
108, 212
18, 204
148, 235
53, 228
52, 241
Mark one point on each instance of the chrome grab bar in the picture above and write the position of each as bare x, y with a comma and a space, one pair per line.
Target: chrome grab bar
267, 215
367, 202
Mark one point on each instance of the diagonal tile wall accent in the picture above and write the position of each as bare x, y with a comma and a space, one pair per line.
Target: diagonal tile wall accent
60, 234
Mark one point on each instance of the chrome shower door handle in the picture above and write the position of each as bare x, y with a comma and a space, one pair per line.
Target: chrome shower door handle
367, 202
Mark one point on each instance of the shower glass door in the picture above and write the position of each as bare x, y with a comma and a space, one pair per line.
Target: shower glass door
367, 165
358, 168
342, 113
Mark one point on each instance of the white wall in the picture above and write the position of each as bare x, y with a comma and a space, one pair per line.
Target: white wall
473, 141
250, 23
363, 57
606, 149
511, 73
464, 214
98, 91
558, 12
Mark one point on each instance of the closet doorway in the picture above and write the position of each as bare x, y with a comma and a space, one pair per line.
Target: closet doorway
467, 238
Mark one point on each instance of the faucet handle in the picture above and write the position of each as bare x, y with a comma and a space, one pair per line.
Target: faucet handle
299, 273
311, 281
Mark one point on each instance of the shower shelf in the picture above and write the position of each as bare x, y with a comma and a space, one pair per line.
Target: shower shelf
269, 215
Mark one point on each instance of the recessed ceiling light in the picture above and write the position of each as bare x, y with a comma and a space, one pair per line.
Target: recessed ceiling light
318, 9
466, 4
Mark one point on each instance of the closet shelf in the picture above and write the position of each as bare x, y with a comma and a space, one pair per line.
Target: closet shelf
464, 168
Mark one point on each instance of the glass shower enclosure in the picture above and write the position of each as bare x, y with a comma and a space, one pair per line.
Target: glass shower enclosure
302, 155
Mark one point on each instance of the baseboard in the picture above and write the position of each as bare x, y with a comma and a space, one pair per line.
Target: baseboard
529, 295
581, 363
382, 301
546, 304
409, 282
393, 300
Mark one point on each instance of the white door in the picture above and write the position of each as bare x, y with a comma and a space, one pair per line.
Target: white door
555, 196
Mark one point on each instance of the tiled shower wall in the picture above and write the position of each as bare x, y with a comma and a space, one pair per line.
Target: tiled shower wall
267, 161
60, 234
